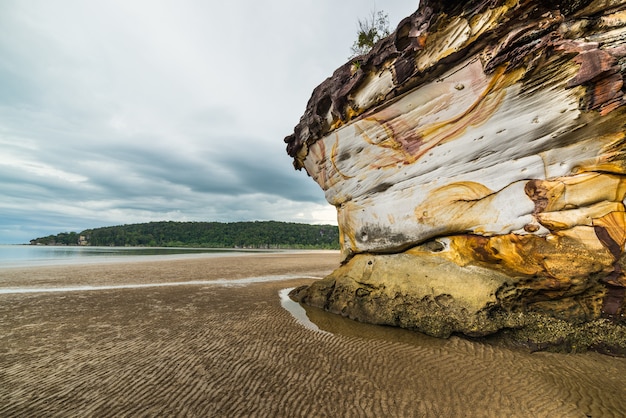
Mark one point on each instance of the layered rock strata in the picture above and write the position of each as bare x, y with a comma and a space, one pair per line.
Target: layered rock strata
476, 158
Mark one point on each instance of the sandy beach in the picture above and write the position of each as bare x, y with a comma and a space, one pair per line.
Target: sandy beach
175, 344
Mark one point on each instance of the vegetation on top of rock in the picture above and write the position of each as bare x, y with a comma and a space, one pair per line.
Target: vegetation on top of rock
268, 234
371, 30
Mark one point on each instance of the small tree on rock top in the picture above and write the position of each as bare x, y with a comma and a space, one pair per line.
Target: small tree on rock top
371, 30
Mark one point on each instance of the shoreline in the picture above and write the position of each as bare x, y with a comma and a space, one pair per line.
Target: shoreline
210, 349
161, 269
116, 256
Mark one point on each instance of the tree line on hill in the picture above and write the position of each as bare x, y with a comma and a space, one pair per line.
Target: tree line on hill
266, 234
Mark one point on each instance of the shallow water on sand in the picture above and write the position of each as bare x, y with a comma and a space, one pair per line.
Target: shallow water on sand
585, 384
46, 255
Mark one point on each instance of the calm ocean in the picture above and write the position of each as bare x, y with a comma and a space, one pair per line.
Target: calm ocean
34, 255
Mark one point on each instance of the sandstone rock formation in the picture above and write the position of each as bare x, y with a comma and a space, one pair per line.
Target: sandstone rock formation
477, 161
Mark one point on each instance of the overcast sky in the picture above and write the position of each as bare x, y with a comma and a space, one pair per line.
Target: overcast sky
127, 111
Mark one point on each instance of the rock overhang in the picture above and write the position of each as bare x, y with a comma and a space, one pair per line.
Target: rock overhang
495, 127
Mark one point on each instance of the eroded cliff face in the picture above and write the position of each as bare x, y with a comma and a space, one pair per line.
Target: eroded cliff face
477, 161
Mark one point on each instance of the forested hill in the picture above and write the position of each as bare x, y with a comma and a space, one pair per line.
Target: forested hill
268, 234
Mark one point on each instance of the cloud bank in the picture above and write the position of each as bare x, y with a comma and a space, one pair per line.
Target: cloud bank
121, 112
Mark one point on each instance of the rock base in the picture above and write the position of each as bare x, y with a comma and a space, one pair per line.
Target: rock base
425, 290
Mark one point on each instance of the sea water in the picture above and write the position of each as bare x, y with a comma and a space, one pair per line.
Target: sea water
44, 255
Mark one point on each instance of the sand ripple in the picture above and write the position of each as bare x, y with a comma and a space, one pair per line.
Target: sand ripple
201, 350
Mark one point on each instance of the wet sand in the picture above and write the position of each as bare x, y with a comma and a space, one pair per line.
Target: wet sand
232, 350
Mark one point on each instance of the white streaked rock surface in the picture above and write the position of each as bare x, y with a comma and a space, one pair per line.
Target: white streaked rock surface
494, 132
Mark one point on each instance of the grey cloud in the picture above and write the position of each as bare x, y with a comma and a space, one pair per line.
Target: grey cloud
119, 112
